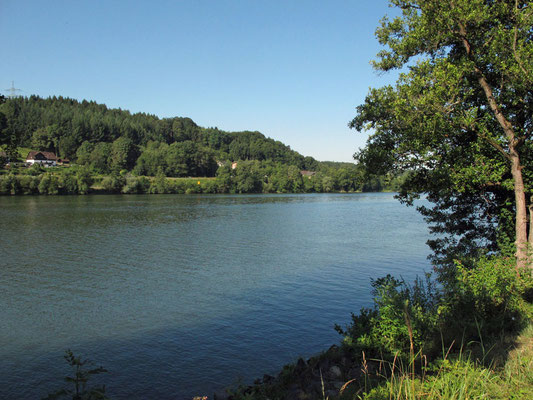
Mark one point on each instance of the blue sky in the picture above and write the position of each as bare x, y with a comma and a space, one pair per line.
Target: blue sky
293, 70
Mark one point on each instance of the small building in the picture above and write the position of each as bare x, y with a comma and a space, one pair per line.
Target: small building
63, 161
307, 174
45, 158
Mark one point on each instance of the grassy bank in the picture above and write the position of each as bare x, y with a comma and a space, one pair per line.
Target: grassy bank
467, 336
470, 337
501, 369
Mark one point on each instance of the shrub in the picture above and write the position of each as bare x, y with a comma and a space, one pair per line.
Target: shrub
78, 388
84, 179
400, 313
471, 304
28, 184
159, 184
113, 183
69, 183
136, 185
48, 184
487, 298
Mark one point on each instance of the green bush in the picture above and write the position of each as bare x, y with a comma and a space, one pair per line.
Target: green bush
84, 179
113, 183
401, 313
136, 185
48, 184
5, 184
69, 183
483, 302
28, 184
159, 184
35, 170
486, 299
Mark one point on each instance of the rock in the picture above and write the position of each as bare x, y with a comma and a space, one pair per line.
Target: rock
296, 395
337, 385
333, 348
293, 387
221, 395
335, 372
301, 364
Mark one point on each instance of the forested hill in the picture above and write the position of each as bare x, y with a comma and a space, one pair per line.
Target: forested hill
86, 132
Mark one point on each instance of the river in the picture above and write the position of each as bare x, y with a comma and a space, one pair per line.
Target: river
181, 295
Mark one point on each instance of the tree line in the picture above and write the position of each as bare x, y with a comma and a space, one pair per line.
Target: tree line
248, 177
116, 143
113, 139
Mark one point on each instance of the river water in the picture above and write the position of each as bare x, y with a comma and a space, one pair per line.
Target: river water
182, 295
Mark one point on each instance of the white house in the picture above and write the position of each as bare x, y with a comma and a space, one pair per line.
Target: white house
46, 158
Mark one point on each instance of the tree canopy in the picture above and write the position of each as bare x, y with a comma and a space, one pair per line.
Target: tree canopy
71, 128
459, 118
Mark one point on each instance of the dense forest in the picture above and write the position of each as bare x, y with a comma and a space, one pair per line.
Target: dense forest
116, 143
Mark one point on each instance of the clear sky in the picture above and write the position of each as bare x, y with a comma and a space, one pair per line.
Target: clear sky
292, 69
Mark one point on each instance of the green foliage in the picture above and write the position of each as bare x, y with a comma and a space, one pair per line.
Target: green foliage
84, 180
113, 183
109, 141
78, 389
136, 185
458, 376
383, 329
487, 299
48, 184
178, 145
457, 118
159, 185
123, 155
46, 138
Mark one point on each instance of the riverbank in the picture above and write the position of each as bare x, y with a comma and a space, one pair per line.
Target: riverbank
237, 178
66, 181
507, 373
472, 338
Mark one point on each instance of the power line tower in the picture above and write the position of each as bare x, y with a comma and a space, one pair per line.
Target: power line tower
12, 90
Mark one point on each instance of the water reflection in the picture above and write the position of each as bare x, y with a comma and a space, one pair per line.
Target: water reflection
175, 293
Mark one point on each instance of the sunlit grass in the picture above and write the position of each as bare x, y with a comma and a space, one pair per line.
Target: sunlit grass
460, 377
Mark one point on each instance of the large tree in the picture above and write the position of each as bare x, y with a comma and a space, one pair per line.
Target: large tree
459, 117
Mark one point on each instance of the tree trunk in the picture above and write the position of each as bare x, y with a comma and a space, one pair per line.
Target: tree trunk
512, 155
530, 234
522, 259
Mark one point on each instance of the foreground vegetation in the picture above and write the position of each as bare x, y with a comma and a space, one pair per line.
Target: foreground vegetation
469, 337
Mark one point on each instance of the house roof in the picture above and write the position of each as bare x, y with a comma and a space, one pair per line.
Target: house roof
47, 154
307, 173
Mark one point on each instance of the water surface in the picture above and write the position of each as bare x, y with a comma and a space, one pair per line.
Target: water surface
182, 295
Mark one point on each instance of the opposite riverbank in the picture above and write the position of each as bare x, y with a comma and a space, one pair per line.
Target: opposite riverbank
81, 181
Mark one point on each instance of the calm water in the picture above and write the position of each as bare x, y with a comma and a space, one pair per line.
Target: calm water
182, 295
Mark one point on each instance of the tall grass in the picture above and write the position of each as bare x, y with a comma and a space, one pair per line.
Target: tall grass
457, 376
